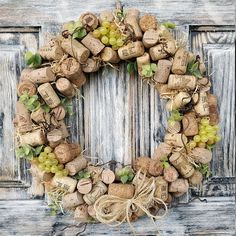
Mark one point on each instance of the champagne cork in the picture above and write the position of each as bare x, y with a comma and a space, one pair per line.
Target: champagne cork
98, 190
170, 174
131, 19
75, 49
23, 118
213, 111
51, 53
110, 55
201, 155
25, 74
40, 174
65, 87
84, 186
40, 116
155, 168
178, 140
180, 62
181, 163
196, 178
180, 100
161, 51
108, 176
26, 87
150, 38
59, 112
131, 50
161, 188
49, 95
121, 190
142, 163
34, 138
106, 15
93, 44
190, 124
163, 149
42, 75
78, 164
72, 200
62, 127
163, 71
148, 22
81, 213
179, 186
89, 21
187, 82
54, 137
66, 152
174, 127
91, 65
202, 107
66, 183
141, 61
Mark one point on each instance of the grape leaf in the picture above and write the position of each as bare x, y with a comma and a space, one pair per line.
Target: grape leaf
124, 179
169, 25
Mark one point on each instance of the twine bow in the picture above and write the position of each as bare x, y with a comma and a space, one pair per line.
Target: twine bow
143, 199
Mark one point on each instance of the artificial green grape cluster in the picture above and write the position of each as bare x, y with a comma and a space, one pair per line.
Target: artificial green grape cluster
175, 116
207, 135
31, 102
76, 29
48, 162
33, 60
149, 70
109, 35
126, 174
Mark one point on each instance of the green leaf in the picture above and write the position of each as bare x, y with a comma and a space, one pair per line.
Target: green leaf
130, 68
153, 67
78, 24
27, 148
38, 150
20, 152
37, 59
169, 25
124, 179
197, 74
46, 108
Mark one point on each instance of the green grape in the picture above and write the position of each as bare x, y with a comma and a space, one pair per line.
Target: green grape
202, 132
201, 145
209, 128
60, 167
192, 144
113, 26
201, 127
103, 30
96, 33
204, 138
211, 136
112, 41
42, 158
210, 141
59, 173
47, 169
197, 138
41, 166
104, 39
112, 34
65, 172
106, 24
216, 127
204, 121
54, 169
47, 150
115, 47
54, 161
119, 42
51, 156
217, 138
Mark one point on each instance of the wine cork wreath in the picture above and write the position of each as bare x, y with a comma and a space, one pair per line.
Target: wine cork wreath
56, 73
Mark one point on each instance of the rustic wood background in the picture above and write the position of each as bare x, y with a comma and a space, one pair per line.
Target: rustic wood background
117, 117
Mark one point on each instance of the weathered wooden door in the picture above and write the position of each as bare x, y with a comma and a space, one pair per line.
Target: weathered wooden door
118, 117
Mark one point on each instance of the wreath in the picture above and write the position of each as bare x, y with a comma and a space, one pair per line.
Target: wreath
73, 181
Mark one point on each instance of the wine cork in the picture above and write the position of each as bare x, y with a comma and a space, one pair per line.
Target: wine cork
191, 57
59, 112
49, 95
190, 124
163, 149
170, 174
71, 68
72, 200
213, 111
84, 186
121, 190
95, 172
42, 75
150, 38
40, 116
138, 179
91, 211
181, 163
141, 61
106, 15
142, 163
89, 21
66, 183
81, 213
93, 44
174, 127
131, 50
26, 87
36, 188
187, 82
196, 178
155, 168
108, 176
179, 186
164, 91
78, 164
202, 67
62, 127
148, 22
40, 174
202, 107
131, 19
163, 71
79, 82
51, 53
178, 140
67, 152
109, 55
98, 190
201, 155
25, 74
161, 51
180, 62
23, 118
54, 137
65, 87
161, 188
91, 65
34, 138
180, 100
75, 49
